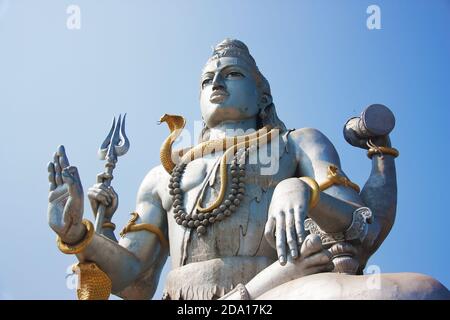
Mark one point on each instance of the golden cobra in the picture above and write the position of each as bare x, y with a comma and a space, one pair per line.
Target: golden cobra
230, 144
176, 125
259, 138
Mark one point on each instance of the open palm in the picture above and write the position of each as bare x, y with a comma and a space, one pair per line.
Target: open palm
65, 207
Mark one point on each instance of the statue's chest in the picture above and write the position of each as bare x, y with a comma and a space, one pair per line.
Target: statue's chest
196, 173
240, 231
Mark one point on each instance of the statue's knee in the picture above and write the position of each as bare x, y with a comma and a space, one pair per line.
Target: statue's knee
415, 286
431, 288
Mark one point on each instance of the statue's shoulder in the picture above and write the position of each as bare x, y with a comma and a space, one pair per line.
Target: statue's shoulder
153, 184
312, 142
308, 136
156, 173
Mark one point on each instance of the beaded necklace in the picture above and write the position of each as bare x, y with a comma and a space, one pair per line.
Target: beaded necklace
233, 199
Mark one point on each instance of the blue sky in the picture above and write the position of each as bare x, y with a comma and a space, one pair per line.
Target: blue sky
60, 86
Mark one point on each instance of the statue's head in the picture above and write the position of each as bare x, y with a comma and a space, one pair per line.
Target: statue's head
232, 88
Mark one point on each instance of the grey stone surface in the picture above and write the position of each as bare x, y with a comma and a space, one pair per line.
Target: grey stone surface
337, 286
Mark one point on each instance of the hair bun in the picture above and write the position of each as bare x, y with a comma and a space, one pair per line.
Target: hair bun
229, 43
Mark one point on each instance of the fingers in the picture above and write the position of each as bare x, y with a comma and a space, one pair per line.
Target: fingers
93, 201
113, 196
268, 232
102, 177
51, 176
99, 195
67, 177
291, 237
311, 245
71, 178
318, 269
280, 237
62, 157
320, 259
57, 166
299, 218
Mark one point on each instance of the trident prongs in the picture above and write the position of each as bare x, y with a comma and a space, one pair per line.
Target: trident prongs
104, 146
115, 145
124, 143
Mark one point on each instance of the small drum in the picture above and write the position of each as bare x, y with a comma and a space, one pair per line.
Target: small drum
375, 121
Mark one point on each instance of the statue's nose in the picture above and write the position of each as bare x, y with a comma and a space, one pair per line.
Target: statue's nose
218, 82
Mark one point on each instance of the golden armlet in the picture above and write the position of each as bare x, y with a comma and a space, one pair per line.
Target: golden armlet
334, 178
132, 227
80, 246
382, 151
315, 191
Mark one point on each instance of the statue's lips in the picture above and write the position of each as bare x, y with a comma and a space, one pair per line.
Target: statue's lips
218, 96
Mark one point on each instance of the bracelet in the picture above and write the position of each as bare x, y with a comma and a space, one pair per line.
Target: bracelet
109, 225
335, 178
132, 227
374, 149
80, 246
382, 151
315, 191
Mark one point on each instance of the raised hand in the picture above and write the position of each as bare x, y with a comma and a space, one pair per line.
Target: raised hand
65, 207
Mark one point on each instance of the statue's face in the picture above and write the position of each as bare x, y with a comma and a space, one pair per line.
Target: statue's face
228, 92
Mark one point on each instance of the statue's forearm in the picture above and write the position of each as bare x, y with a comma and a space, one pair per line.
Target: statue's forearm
380, 194
269, 278
380, 190
121, 265
273, 276
333, 214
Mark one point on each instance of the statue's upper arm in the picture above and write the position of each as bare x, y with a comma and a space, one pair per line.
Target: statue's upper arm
144, 244
315, 154
149, 203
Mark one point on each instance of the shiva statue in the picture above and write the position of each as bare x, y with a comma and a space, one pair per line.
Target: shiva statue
253, 211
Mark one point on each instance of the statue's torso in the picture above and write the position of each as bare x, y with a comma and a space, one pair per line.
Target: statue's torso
242, 233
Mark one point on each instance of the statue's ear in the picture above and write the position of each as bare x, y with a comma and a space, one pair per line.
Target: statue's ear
265, 106
266, 100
